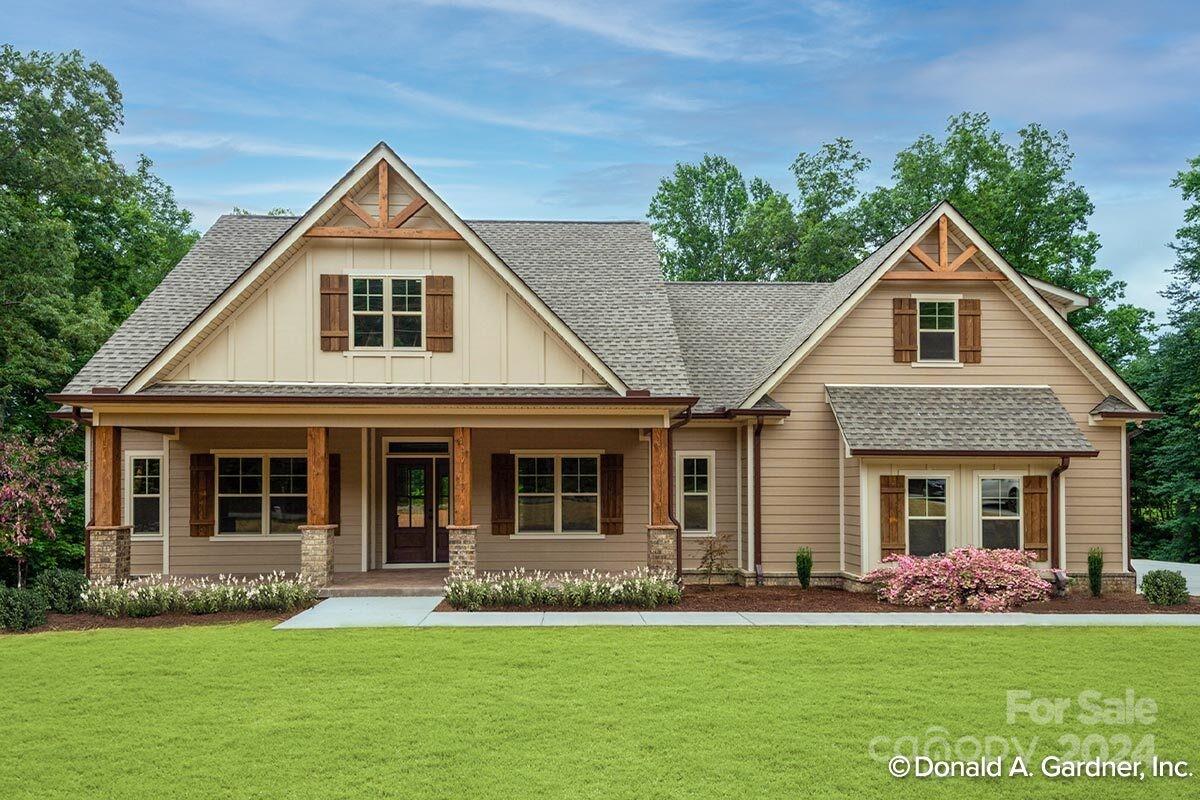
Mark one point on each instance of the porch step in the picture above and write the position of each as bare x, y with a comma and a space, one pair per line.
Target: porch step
387, 583
381, 591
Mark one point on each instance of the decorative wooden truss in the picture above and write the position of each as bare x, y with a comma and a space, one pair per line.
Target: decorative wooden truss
943, 269
382, 226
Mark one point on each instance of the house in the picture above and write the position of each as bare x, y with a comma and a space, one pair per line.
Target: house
378, 384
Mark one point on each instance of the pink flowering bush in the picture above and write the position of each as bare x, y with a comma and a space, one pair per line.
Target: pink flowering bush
32, 502
968, 578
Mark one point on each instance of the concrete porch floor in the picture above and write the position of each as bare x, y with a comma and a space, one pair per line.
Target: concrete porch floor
416, 582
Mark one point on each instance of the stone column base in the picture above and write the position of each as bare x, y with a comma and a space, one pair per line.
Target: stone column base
108, 552
660, 548
316, 553
462, 550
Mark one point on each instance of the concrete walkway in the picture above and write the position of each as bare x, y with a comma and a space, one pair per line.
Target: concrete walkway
411, 612
1191, 572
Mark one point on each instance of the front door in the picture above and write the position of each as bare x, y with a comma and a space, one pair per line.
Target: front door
411, 510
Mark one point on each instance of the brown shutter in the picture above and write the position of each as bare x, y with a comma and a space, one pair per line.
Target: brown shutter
970, 350
504, 490
439, 313
612, 494
1036, 520
203, 494
891, 514
335, 489
335, 313
904, 330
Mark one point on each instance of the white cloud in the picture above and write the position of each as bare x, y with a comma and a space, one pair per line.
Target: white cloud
185, 140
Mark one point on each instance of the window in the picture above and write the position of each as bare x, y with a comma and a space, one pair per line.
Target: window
401, 317
145, 494
695, 493
937, 336
1000, 513
240, 497
558, 494
926, 516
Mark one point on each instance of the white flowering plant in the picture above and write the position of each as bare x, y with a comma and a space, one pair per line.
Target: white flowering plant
161, 594
642, 588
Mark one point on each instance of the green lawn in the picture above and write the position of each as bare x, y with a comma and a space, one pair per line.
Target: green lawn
237, 711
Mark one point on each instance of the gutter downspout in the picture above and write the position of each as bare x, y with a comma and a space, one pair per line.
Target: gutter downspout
687, 417
758, 426
1055, 501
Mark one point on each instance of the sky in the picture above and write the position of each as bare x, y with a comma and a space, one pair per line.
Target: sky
557, 110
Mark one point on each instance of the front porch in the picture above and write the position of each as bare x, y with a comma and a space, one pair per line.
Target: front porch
416, 582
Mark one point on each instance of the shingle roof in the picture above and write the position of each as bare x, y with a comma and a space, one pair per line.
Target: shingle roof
959, 419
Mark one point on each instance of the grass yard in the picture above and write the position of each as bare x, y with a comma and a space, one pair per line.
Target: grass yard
236, 711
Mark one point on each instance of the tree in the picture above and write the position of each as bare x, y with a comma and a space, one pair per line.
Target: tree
278, 211
829, 241
32, 502
1165, 489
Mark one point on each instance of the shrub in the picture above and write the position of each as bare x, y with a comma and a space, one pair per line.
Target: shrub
804, 563
966, 578
714, 556
156, 594
21, 609
1164, 587
62, 588
641, 588
1095, 569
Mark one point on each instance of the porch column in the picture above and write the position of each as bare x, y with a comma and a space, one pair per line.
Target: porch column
463, 531
107, 539
316, 537
660, 535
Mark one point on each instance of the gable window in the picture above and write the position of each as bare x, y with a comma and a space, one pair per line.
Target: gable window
1000, 513
926, 516
937, 334
695, 471
260, 495
145, 495
387, 312
558, 494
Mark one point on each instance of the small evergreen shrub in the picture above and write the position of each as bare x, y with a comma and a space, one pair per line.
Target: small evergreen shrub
641, 588
1164, 587
1095, 570
804, 562
21, 609
969, 578
62, 589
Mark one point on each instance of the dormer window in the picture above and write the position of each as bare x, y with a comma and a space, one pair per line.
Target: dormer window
937, 330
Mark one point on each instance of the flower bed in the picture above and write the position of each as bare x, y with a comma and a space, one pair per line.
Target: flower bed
968, 578
640, 588
158, 594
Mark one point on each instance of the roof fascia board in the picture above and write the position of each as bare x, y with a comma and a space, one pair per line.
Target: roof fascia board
1073, 300
322, 207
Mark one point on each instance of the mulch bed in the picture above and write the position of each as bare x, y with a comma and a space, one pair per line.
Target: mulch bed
87, 622
790, 598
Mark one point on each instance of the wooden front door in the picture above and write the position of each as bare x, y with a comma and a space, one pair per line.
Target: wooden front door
410, 510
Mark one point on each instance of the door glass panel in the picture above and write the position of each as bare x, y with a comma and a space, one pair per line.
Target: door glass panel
443, 497
416, 497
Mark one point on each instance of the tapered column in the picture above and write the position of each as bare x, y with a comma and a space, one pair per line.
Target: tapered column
317, 536
107, 538
660, 538
464, 530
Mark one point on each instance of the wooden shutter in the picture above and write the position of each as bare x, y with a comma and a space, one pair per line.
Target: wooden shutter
612, 494
970, 349
504, 490
335, 313
439, 313
904, 330
1036, 517
891, 514
335, 489
203, 494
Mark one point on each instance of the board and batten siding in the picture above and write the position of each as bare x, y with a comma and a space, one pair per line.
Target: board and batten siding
800, 469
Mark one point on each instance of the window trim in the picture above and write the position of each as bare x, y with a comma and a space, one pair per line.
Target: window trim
977, 515
558, 532
388, 313
265, 456
127, 494
956, 361
927, 475
711, 457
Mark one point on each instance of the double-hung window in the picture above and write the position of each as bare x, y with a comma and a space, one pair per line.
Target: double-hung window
258, 495
937, 330
145, 494
558, 494
387, 313
1000, 513
927, 516
695, 493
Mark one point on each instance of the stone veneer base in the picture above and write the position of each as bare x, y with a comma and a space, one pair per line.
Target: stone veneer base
316, 553
108, 552
462, 550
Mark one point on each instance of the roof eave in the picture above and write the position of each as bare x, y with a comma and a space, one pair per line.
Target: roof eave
859, 451
92, 400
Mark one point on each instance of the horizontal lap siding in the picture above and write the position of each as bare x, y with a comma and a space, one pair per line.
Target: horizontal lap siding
722, 442
145, 555
853, 512
800, 469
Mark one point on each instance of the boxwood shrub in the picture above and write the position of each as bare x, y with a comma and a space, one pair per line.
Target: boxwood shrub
21, 609
62, 589
1164, 587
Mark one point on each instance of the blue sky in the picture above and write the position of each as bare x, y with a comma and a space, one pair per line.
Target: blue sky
542, 109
